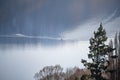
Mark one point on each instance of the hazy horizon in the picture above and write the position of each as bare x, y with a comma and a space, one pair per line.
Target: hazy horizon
38, 33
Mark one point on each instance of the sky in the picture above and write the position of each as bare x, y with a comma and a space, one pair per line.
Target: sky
38, 33
57, 18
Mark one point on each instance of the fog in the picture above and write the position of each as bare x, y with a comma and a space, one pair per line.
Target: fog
62, 27
21, 63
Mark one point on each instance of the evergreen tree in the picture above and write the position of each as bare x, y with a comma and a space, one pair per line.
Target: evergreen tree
98, 54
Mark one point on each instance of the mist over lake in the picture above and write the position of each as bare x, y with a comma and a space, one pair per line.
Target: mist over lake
22, 62
38, 33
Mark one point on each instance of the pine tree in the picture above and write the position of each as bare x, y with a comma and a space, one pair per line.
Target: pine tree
98, 54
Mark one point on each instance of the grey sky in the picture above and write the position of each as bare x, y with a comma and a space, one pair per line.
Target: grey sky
70, 22
52, 17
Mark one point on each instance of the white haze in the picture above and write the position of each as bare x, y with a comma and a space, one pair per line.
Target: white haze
18, 63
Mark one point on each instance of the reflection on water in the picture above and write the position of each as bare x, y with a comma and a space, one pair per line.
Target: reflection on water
23, 41
21, 58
